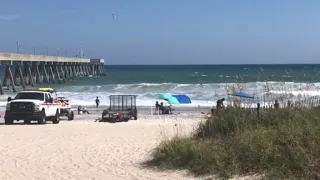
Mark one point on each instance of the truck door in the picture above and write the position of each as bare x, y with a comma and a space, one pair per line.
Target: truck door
51, 110
55, 104
47, 106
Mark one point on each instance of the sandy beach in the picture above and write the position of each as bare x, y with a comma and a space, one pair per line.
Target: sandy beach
83, 149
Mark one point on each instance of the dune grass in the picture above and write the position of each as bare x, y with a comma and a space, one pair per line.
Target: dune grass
280, 144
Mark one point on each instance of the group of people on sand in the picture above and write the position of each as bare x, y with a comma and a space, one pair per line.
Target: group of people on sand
161, 108
82, 110
219, 103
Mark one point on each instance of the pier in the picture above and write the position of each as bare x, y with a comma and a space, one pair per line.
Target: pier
26, 70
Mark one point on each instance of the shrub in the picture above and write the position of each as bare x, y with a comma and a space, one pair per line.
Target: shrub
280, 143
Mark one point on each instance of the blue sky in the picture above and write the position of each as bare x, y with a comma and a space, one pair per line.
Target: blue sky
166, 31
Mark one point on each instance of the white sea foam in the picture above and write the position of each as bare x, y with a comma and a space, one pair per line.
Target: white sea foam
205, 95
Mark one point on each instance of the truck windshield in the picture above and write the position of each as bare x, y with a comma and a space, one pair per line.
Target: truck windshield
30, 95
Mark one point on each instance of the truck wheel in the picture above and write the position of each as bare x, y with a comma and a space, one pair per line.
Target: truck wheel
70, 116
113, 120
42, 119
8, 121
56, 118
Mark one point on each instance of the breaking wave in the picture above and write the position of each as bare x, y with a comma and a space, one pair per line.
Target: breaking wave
205, 95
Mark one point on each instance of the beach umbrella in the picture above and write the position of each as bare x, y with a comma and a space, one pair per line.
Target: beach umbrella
183, 99
174, 99
168, 97
242, 94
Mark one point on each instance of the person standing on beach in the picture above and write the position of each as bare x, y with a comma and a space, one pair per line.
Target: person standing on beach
276, 104
219, 104
97, 102
157, 107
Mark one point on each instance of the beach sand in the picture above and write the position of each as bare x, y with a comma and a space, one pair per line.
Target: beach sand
84, 149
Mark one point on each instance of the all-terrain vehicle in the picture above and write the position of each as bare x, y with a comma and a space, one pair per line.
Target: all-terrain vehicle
122, 108
65, 107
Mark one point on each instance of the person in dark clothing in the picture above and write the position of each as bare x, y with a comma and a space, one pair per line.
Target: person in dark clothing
289, 104
83, 110
157, 107
220, 104
276, 104
163, 109
97, 101
79, 109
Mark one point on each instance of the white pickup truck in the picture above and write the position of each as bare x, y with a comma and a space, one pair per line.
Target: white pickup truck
32, 106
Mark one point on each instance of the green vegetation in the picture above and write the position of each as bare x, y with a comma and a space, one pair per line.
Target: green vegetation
280, 143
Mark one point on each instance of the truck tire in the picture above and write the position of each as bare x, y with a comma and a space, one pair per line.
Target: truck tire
114, 120
8, 121
42, 120
56, 118
70, 116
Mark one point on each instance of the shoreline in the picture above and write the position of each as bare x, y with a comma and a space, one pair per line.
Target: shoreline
145, 110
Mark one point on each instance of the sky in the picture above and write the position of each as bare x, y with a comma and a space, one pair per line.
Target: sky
165, 31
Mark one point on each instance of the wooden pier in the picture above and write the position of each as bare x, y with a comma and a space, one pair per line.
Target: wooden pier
29, 70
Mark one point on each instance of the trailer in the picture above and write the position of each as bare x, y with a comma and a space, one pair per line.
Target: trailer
121, 108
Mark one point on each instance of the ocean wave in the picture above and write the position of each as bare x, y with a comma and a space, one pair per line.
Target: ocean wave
203, 95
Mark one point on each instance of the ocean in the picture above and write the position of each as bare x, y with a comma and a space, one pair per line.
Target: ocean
204, 84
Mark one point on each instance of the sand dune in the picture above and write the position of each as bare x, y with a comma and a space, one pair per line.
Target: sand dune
84, 150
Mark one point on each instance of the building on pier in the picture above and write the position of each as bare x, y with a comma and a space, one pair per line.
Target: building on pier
29, 70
